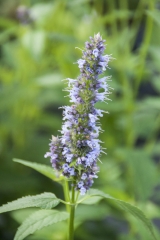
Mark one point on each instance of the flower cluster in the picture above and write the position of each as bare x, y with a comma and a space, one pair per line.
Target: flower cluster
76, 152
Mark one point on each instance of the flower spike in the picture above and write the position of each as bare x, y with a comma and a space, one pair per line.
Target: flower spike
76, 152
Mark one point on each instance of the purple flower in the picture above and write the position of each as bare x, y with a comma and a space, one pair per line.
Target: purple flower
84, 176
71, 171
69, 157
105, 59
95, 52
80, 184
48, 154
81, 63
65, 167
83, 190
75, 153
103, 64
55, 153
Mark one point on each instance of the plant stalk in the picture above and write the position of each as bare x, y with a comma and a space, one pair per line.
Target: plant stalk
145, 46
72, 211
66, 194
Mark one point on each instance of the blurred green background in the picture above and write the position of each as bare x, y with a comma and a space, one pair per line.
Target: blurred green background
37, 50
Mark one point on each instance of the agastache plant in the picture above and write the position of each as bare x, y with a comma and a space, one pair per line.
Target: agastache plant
75, 153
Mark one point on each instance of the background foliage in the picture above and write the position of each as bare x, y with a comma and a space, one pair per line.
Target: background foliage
37, 50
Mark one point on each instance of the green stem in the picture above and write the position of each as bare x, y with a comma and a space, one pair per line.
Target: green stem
72, 211
77, 197
136, 20
112, 8
144, 49
124, 7
66, 194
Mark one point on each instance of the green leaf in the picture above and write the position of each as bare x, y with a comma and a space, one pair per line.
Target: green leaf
44, 200
136, 212
90, 201
89, 212
34, 41
136, 160
155, 15
151, 103
39, 220
42, 168
52, 79
41, 10
156, 83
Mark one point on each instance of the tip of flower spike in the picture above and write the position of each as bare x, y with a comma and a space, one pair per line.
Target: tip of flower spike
98, 37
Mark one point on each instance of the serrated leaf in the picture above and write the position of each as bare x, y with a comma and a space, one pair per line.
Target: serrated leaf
42, 168
44, 200
39, 220
136, 212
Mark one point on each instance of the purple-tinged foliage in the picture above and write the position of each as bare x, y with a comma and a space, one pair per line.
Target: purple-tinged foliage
76, 152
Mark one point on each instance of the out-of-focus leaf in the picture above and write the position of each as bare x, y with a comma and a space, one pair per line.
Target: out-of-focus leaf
21, 214
136, 212
156, 148
90, 212
59, 37
144, 128
140, 175
34, 41
90, 201
117, 14
54, 230
52, 79
155, 52
155, 14
4, 36
39, 11
156, 83
39, 220
43, 169
150, 103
